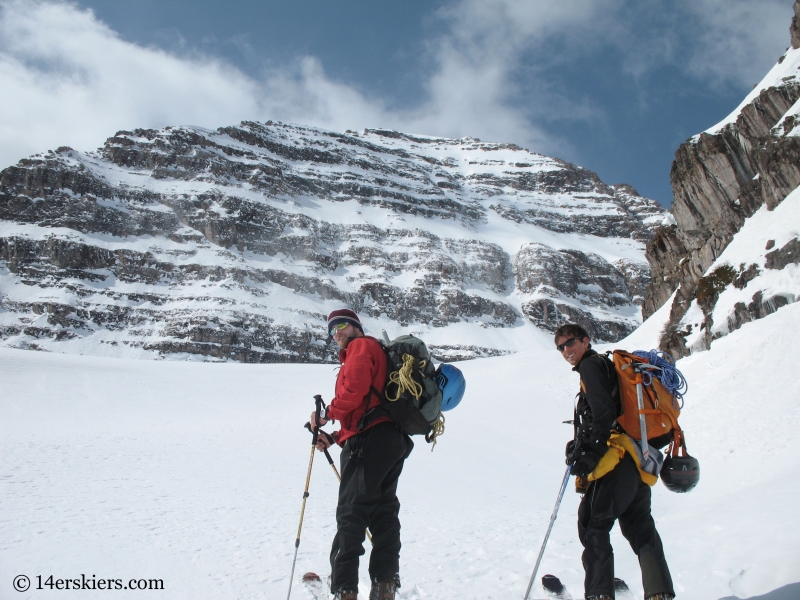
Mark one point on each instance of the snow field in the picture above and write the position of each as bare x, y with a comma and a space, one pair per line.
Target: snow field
743, 406
193, 473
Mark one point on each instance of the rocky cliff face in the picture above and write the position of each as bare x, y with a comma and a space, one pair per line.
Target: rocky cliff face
235, 243
720, 178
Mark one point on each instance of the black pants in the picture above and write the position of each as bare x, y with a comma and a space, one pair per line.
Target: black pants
620, 495
371, 463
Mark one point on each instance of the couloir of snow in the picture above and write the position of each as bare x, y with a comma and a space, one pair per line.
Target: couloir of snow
193, 473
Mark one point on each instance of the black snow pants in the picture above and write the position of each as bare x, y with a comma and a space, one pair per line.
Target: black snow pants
371, 463
622, 495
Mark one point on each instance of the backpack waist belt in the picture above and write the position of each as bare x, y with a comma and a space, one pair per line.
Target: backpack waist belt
618, 445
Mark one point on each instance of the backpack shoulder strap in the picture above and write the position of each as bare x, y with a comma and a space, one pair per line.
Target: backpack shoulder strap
376, 340
611, 369
374, 413
611, 374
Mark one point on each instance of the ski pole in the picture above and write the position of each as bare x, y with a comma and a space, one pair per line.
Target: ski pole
329, 437
549, 529
331, 463
318, 410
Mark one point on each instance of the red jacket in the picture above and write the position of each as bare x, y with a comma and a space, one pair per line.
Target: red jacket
363, 366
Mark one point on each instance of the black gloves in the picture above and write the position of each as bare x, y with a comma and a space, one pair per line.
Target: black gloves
585, 463
584, 456
569, 450
331, 440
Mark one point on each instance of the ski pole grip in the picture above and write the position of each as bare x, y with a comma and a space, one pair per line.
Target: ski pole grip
327, 436
318, 413
319, 403
313, 433
321, 432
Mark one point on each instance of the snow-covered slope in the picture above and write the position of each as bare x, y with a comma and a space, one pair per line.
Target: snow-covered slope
193, 473
784, 72
235, 243
757, 274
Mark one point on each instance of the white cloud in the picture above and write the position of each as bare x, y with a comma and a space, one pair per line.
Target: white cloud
75, 82
474, 90
68, 79
738, 40
718, 42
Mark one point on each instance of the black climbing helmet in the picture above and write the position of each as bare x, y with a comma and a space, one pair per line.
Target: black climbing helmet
680, 473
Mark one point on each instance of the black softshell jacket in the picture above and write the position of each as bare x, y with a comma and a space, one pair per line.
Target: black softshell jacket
598, 403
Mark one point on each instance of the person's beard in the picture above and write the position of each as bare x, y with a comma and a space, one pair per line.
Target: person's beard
346, 341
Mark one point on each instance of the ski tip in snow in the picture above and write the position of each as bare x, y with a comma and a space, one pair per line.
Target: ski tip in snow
620, 586
558, 591
622, 590
313, 583
554, 588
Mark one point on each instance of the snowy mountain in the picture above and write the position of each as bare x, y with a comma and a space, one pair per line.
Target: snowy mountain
234, 244
736, 171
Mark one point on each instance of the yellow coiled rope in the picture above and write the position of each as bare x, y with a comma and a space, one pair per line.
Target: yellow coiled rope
438, 429
403, 379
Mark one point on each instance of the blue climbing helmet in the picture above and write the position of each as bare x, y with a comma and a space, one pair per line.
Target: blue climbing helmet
451, 382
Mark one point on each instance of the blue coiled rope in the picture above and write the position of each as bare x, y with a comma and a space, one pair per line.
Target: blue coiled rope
671, 378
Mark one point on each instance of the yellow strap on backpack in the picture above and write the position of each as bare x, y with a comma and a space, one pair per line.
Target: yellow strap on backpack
618, 445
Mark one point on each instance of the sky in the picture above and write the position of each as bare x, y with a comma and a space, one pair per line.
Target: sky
611, 85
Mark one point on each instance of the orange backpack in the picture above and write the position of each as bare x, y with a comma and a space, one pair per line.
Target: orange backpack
646, 403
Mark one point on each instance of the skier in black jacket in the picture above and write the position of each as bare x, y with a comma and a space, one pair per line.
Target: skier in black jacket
620, 494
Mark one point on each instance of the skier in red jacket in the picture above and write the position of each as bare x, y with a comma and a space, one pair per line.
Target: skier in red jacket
372, 457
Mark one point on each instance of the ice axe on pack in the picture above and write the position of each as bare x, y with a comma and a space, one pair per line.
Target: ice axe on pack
639, 381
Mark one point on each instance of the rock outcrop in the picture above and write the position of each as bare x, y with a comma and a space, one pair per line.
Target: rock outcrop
234, 244
720, 178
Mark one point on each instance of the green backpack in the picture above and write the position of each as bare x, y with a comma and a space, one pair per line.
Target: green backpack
411, 396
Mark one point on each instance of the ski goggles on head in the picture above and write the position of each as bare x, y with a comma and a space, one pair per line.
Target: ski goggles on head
567, 344
338, 327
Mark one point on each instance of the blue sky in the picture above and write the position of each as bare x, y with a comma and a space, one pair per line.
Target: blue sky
612, 85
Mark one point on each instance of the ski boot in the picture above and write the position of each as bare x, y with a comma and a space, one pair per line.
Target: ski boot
346, 595
662, 596
383, 590
601, 597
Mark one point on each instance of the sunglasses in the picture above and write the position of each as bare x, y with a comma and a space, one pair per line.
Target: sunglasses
336, 328
567, 344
